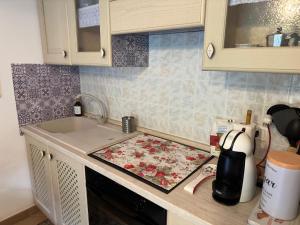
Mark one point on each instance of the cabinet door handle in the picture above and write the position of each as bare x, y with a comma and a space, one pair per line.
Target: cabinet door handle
42, 153
64, 53
210, 51
102, 52
50, 156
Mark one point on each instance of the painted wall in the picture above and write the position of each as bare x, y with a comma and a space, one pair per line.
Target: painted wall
19, 43
173, 95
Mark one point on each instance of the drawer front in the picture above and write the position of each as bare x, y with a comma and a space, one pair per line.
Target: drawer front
128, 16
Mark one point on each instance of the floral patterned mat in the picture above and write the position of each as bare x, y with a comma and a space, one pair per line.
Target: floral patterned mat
159, 162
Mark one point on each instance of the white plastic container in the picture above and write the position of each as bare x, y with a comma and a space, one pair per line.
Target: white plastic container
281, 189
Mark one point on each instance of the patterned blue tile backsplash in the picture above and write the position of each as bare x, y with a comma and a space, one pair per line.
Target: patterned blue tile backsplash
44, 92
130, 50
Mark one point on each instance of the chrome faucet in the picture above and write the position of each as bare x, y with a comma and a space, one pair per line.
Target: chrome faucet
103, 112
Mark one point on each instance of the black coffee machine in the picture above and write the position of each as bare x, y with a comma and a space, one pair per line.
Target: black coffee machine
236, 170
227, 187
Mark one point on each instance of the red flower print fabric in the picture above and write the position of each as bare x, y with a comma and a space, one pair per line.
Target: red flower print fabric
162, 162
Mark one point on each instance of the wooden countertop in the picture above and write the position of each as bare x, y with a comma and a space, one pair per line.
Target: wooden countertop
199, 208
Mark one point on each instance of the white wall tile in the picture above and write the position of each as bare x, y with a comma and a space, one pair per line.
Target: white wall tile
174, 95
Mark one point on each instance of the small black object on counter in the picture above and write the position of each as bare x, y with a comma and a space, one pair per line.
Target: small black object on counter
78, 108
287, 122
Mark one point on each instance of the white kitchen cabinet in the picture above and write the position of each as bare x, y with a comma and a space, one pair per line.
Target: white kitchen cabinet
239, 36
70, 191
75, 32
41, 179
89, 31
58, 184
130, 16
54, 31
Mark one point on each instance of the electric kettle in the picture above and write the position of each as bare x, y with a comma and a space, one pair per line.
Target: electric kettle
236, 170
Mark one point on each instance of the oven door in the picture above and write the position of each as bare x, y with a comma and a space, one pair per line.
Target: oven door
106, 210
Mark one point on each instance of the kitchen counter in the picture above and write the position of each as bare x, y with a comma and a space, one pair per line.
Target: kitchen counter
198, 209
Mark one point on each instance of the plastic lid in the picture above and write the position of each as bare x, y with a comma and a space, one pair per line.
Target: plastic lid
285, 159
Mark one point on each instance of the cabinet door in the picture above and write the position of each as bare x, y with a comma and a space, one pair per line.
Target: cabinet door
40, 176
239, 35
54, 31
128, 16
174, 219
90, 38
69, 190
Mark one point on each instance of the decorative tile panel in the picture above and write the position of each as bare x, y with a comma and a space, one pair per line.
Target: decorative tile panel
44, 92
130, 50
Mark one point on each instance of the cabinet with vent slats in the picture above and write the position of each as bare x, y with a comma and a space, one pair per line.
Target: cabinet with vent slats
41, 179
70, 192
58, 184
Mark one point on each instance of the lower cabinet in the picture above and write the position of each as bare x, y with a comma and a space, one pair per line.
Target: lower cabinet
41, 179
174, 219
70, 191
58, 184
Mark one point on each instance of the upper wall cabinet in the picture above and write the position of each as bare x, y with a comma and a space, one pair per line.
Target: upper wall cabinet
252, 35
90, 38
77, 32
54, 31
130, 16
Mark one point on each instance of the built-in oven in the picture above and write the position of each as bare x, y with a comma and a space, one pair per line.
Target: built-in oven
112, 204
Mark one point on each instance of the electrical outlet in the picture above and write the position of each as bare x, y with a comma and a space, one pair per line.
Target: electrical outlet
262, 141
261, 148
263, 133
